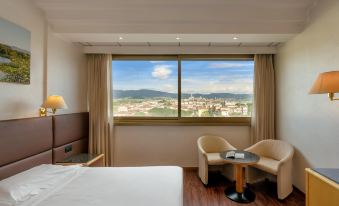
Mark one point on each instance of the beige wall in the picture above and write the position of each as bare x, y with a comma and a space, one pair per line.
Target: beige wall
66, 76
64, 65
17, 100
309, 122
67, 73
169, 145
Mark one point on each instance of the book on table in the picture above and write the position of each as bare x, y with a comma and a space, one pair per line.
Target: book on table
235, 155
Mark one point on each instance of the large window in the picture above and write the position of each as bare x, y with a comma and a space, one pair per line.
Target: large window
213, 88
182, 90
145, 88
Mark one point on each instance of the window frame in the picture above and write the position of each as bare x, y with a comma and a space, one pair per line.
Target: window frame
183, 121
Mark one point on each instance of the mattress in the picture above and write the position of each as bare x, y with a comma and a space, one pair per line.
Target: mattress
118, 186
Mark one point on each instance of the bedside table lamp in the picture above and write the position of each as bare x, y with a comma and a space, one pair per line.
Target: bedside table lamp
327, 82
53, 102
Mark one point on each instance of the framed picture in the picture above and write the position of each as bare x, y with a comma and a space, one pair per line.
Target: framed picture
15, 53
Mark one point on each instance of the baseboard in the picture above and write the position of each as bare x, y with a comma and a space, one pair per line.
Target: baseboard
190, 168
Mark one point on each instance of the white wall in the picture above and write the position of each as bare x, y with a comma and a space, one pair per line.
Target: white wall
17, 100
65, 64
67, 73
309, 122
169, 145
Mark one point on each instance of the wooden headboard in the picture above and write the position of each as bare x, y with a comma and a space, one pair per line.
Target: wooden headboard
24, 143
70, 132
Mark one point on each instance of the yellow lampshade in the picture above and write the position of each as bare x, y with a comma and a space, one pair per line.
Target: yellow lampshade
327, 82
55, 102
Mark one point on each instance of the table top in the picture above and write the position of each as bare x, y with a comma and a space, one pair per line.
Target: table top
79, 158
250, 158
330, 173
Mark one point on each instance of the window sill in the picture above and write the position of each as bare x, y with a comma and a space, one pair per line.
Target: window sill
212, 121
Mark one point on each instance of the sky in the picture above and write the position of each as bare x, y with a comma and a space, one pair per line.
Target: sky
197, 76
14, 35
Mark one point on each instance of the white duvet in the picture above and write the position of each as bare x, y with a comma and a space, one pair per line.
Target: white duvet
118, 186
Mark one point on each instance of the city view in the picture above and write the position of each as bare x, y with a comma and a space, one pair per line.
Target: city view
209, 88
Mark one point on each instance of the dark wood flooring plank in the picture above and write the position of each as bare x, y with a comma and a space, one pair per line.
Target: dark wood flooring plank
196, 194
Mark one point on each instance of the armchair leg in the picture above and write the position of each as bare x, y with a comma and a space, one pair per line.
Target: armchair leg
284, 187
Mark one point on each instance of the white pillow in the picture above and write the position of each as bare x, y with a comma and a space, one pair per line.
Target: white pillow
23, 186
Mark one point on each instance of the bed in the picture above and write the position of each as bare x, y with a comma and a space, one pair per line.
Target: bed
28, 177
88, 186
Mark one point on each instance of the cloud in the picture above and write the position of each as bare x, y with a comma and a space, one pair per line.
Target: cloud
190, 81
162, 71
169, 88
228, 65
237, 86
157, 62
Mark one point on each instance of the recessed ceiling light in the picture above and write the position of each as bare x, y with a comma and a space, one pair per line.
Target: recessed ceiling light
235, 38
178, 38
120, 38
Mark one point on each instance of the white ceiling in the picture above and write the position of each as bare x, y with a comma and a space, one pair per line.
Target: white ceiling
159, 22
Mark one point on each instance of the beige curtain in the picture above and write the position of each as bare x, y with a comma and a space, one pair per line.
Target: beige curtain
100, 104
263, 118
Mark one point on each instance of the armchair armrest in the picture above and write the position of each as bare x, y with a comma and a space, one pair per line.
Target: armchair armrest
254, 148
202, 151
230, 147
285, 159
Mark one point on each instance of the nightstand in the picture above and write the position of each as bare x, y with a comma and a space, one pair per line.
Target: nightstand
85, 160
322, 186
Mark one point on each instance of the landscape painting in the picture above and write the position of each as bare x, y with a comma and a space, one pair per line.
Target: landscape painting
15, 54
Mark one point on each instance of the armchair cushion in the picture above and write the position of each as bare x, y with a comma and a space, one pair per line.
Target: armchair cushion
214, 159
268, 165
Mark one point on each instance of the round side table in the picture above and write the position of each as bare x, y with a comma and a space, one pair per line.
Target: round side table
239, 192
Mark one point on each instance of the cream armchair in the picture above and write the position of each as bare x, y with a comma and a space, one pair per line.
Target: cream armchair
275, 158
209, 148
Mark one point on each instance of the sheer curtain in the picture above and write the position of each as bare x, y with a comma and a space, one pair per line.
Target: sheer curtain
263, 118
100, 105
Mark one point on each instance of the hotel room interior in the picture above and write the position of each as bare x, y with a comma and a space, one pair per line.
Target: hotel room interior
169, 102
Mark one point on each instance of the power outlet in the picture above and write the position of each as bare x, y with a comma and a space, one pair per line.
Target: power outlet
68, 148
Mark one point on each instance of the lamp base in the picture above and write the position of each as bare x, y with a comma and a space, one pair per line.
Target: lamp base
42, 112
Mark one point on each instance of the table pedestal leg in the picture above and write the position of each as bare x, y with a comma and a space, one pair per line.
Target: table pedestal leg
239, 193
239, 184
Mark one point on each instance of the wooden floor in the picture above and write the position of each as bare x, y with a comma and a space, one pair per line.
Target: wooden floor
196, 194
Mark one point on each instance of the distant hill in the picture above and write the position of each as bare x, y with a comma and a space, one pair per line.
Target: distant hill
15, 48
146, 93
20, 50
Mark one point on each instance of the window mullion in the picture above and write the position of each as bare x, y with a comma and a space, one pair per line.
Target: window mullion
179, 87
